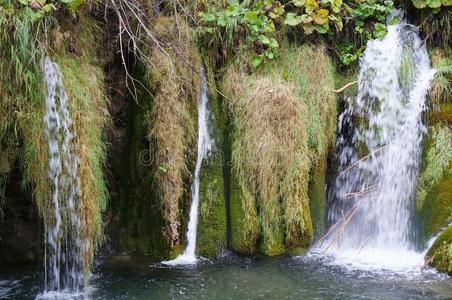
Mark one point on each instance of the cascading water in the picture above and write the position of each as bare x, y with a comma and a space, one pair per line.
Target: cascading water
205, 144
371, 210
64, 245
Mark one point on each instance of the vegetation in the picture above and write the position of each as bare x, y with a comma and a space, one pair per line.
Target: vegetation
282, 125
172, 127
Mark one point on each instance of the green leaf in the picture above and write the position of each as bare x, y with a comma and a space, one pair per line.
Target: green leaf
23, 2
311, 6
298, 3
273, 43
434, 3
308, 28
269, 54
256, 60
306, 19
292, 19
208, 17
419, 3
321, 17
48, 8
76, 4
322, 28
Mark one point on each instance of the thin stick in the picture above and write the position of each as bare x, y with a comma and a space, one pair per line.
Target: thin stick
346, 86
357, 162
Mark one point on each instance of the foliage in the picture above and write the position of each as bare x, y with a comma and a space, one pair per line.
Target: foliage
440, 254
438, 160
256, 23
441, 89
369, 22
283, 120
433, 4
171, 127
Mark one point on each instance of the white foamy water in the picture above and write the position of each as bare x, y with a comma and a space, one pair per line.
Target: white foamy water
64, 246
205, 144
379, 149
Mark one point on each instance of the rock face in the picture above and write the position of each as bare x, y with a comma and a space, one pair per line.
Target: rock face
434, 193
21, 230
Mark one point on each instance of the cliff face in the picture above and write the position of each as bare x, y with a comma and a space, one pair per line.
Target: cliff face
134, 106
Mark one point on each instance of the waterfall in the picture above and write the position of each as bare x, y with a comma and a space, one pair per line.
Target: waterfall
379, 148
64, 270
205, 144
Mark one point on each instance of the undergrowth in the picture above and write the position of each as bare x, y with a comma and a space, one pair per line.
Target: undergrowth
172, 127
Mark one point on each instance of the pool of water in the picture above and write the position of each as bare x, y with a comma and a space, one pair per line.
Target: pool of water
288, 277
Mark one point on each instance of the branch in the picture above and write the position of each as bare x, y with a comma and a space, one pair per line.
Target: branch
346, 86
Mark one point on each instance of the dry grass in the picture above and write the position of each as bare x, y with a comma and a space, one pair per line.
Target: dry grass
284, 121
172, 125
269, 154
441, 89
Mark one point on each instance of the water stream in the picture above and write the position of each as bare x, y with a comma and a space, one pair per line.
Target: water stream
64, 244
205, 143
379, 147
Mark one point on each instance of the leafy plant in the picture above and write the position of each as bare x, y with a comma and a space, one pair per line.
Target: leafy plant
434, 4
368, 19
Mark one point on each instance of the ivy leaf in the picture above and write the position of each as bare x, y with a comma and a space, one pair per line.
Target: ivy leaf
308, 28
322, 28
419, 3
311, 5
256, 60
277, 11
292, 19
434, 3
298, 3
321, 17
273, 43
269, 54
306, 19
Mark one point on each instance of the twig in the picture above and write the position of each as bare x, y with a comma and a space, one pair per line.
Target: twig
357, 162
346, 86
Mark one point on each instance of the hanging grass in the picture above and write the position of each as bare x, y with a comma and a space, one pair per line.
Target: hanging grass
173, 75
24, 107
284, 121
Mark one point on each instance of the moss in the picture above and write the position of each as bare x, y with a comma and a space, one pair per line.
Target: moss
317, 196
271, 162
434, 188
244, 222
212, 231
211, 237
171, 122
440, 254
141, 224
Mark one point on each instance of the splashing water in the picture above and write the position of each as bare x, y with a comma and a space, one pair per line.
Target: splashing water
64, 245
372, 207
205, 144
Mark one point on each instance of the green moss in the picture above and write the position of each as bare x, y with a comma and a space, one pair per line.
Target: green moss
440, 254
434, 190
271, 163
141, 224
317, 197
211, 237
212, 231
244, 222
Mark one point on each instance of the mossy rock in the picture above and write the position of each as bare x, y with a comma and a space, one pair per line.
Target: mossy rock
211, 237
440, 254
212, 227
317, 197
141, 225
434, 188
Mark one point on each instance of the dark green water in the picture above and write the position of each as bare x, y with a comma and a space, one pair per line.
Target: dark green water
239, 278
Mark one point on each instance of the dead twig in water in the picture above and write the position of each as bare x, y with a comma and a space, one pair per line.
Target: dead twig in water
357, 162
